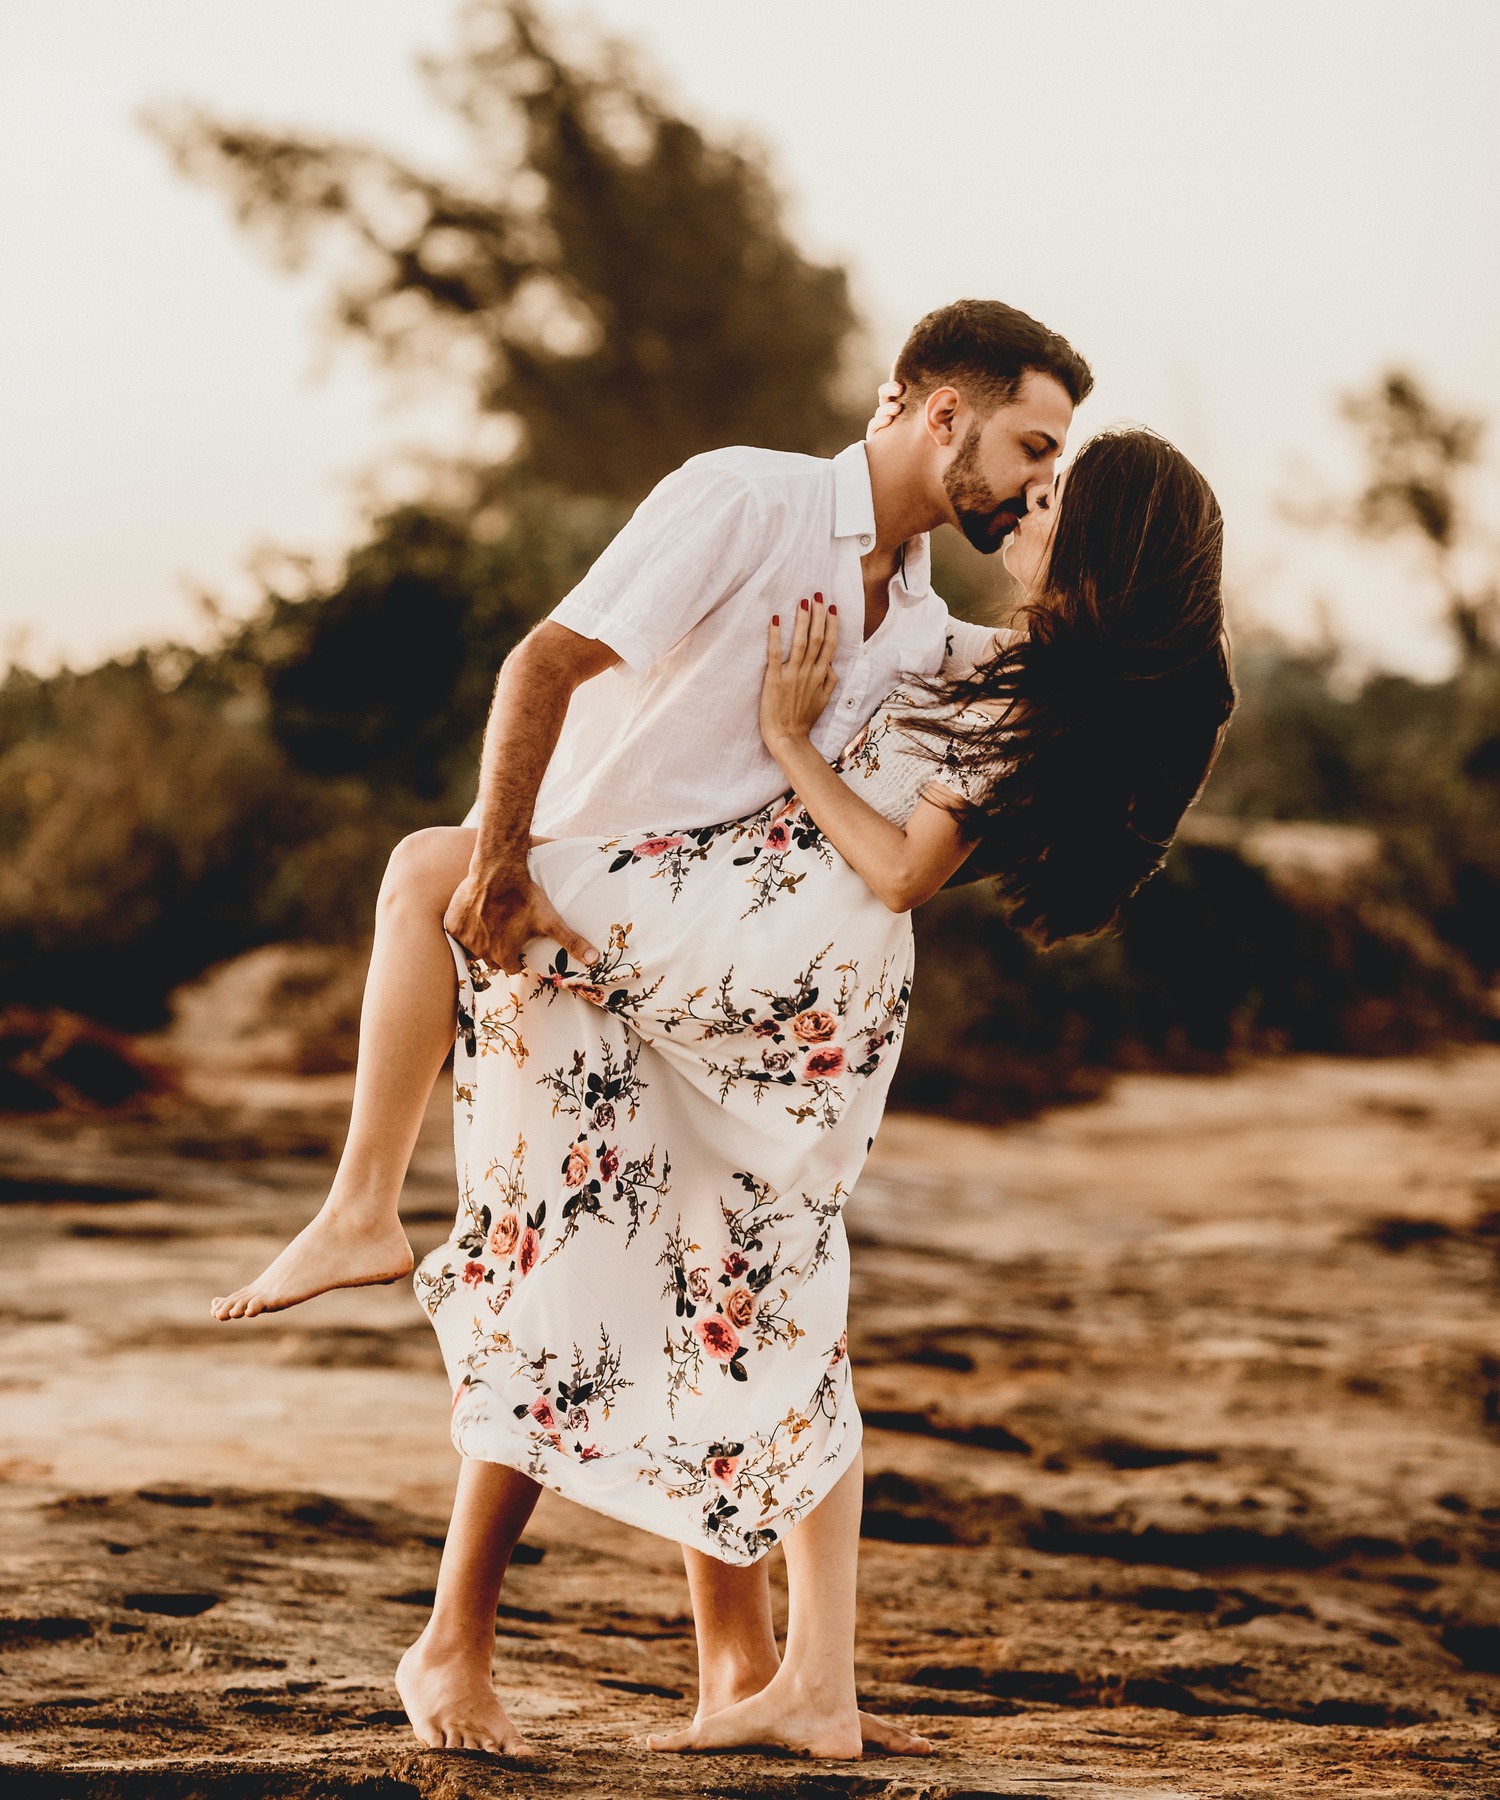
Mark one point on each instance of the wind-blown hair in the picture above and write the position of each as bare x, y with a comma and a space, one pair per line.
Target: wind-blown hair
1112, 706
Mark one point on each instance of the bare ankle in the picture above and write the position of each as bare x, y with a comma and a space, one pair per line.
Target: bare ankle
369, 1210
727, 1678
444, 1643
822, 1693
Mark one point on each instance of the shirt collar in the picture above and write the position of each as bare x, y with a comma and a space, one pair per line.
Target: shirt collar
854, 517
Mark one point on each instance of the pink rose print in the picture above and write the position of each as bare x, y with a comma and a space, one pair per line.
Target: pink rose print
814, 1026
697, 1284
589, 1453
778, 837
657, 846
735, 1264
473, 1274
822, 1064
541, 1411
609, 1162
722, 1468
503, 1237
576, 1168
719, 1339
739, 1307
530, 1249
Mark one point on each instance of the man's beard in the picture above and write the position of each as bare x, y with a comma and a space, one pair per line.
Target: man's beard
984, 520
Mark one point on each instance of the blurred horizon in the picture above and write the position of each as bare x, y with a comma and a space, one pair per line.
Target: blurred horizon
1236, 216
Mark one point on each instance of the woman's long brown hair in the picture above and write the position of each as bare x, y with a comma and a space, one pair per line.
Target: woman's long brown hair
1111, 708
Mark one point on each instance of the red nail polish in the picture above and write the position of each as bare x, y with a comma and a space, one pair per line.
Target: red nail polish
775, 618
804, 606
832, 609
817, 596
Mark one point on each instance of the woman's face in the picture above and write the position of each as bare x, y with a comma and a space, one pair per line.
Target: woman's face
1025, 552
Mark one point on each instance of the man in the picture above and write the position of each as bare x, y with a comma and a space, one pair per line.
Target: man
673, 609
636, 704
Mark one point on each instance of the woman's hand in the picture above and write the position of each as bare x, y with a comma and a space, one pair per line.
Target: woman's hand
889, 394
796, 690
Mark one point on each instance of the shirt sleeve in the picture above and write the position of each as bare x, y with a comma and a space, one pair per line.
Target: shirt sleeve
689, 546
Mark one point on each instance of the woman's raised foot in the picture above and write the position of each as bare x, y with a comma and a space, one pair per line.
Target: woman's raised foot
333, 1251
452, 1704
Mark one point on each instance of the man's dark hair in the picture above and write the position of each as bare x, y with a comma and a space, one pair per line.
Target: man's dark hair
984, 349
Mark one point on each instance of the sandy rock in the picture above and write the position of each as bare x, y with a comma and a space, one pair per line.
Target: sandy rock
285, 1008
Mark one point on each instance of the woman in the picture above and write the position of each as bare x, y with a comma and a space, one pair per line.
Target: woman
642, 1304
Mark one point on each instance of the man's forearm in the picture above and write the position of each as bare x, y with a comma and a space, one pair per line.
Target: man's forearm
526, 718
524, 725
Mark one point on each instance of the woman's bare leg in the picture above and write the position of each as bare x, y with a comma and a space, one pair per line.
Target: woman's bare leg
445, 1679
737, 1653
809, 1705
405, 1030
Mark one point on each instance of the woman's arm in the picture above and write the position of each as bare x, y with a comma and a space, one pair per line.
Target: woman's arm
902, 865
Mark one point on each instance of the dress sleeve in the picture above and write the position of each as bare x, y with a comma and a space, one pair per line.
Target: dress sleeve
689, 546
967, 645
968, 783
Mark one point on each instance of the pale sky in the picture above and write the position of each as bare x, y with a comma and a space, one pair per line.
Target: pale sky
1235, 209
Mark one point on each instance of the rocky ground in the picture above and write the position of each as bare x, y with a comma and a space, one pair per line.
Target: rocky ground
1183, 1457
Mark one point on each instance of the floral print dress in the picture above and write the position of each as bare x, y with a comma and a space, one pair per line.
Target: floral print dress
642, 1304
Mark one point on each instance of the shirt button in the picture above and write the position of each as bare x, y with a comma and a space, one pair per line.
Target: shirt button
865, 541
849, 701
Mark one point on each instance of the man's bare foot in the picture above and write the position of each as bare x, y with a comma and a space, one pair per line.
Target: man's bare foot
331, 1252
782, 1716
453, 1706
881, 1737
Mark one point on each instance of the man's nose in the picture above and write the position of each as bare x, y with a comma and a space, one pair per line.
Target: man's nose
1039, 493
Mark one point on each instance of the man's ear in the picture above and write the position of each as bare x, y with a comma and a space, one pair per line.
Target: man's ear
940, 412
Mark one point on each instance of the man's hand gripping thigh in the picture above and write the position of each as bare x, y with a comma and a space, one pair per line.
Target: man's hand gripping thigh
495, 912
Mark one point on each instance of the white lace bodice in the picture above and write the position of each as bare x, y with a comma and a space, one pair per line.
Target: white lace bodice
889, 767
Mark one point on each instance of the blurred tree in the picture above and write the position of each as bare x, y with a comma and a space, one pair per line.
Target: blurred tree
1418, 760
386, 673
149, 826
1417, 455
614, 282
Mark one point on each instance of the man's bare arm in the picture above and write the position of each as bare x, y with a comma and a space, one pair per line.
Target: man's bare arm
497, 906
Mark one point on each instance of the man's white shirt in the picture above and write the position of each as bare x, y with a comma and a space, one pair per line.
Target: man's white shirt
670, 736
